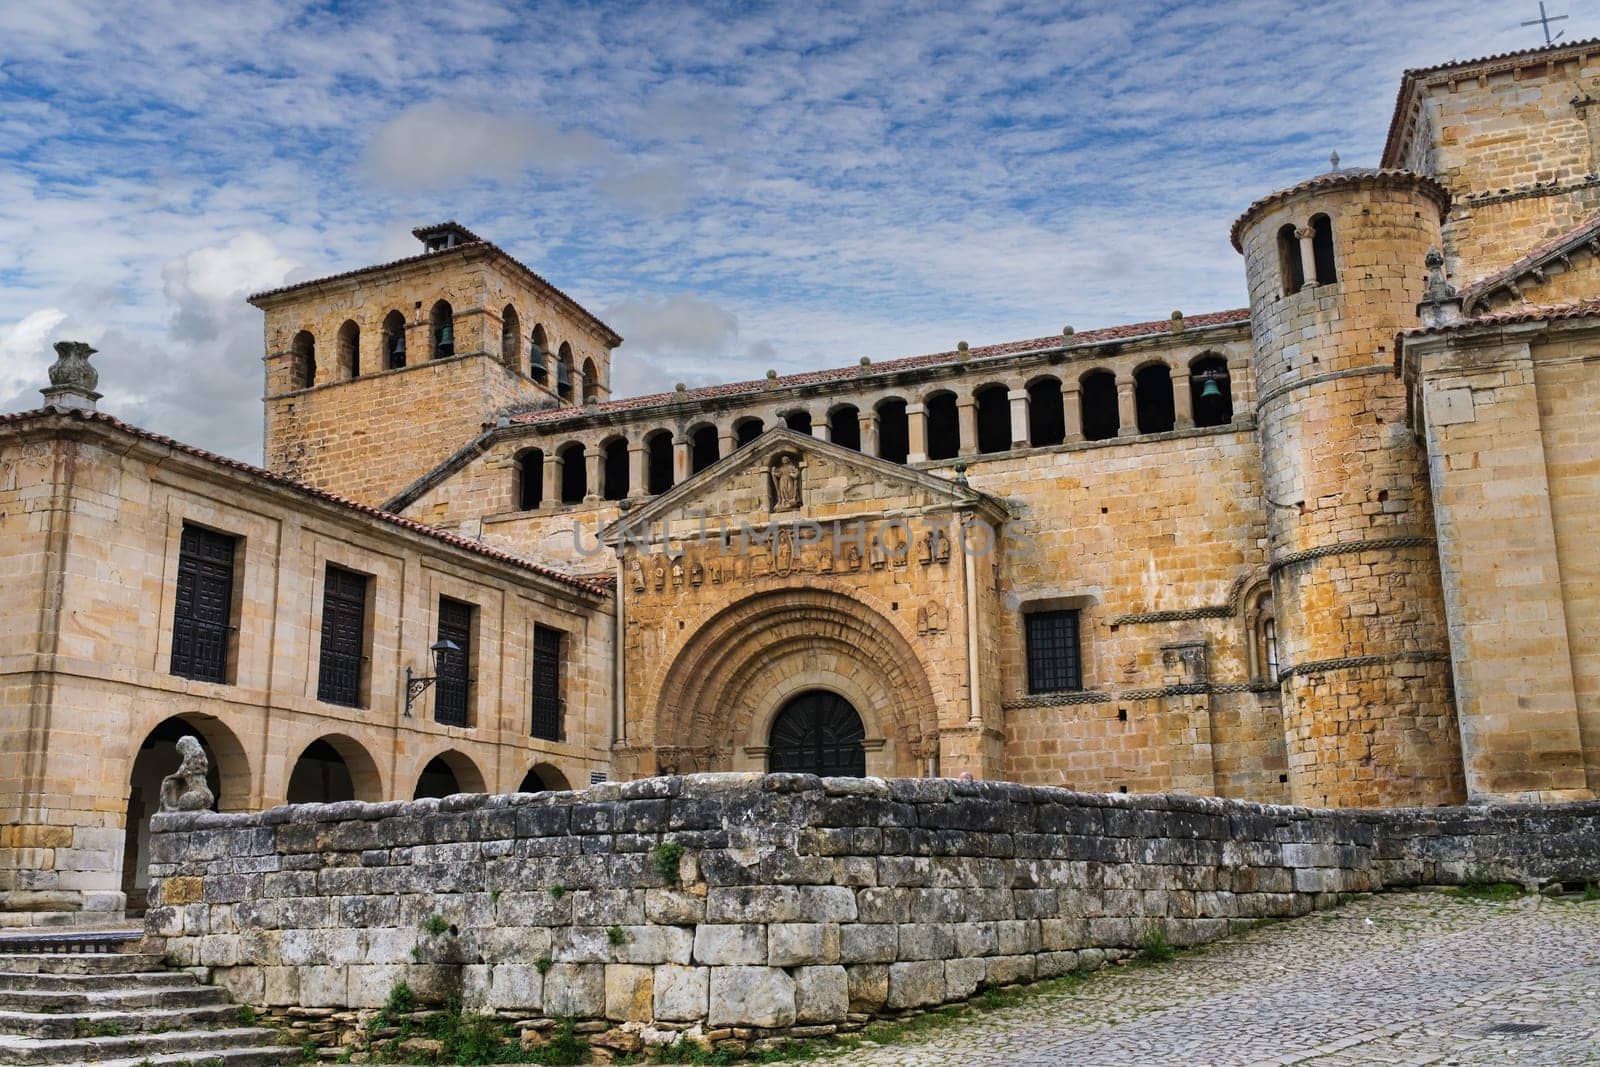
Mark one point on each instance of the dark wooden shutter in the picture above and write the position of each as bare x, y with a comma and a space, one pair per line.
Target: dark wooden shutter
201, 625
450, 692
1054, 663
548, 706
344, 637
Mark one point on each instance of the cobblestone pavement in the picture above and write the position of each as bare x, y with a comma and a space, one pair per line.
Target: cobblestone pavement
1399, 979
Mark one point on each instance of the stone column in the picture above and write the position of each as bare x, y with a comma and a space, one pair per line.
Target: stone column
1071, 412
1019, 417
868, 419
1127, 410
967, 420
726, 442
638, 472
1308, 255
552, 480
681, 458
576, 378
819, 427
916, 433
1182, 400
591, 464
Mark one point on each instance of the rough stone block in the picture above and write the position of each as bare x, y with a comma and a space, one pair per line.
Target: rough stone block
794, 944
730, 944
869, 942
576, 989
868, 986
680, 993
630, 992
516, 986
822, 994
912, 985
751, 996
963, 977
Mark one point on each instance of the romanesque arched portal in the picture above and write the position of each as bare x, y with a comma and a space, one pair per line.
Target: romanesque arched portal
719, 699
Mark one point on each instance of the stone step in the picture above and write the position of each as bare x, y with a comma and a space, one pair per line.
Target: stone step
262, 1056
73, 941
78, 963
114, 1023
85, 983
141, 998
201, 1045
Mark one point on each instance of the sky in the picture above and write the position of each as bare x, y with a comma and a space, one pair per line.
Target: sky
732, 187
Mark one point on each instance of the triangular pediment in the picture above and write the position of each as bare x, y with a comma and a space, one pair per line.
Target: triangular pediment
785, 476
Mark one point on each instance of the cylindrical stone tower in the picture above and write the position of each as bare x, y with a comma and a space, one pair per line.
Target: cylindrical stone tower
1336, 268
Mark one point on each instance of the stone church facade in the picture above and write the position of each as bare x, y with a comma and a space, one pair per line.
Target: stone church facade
1330, 548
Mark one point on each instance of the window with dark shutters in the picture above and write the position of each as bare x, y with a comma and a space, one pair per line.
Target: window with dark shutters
1054, 663
450, 692
548, 706
202, 622
344, 637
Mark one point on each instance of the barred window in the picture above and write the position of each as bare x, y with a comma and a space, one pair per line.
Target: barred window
452, 688
548, 705
344, 637
1054, 660
202, 623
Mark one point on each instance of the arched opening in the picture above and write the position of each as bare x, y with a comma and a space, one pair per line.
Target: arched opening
818, 732
747, 430
447, 774
442, 326
994, 418
228, 777
539, 356
894, 430
394, 340
591, 381
1152, 398
658, 458
564, 369
542, 778
798, 421
1210, 391
614, 461
944, 427
1292, 270
349, 350
574, 473
530, 478
332, 769
511, 339
1097, 402
1322, 249
1047, 413
303, 360
844, 426
702, 448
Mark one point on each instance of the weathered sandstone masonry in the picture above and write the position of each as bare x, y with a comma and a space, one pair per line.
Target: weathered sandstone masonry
795, 902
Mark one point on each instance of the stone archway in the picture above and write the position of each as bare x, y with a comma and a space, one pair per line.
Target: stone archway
334, 768
717, 702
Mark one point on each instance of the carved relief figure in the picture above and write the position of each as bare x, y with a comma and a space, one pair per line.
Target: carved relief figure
186, 789
785, 475
783, 552
932, 618
941, 544
677, 571
697, 572
925, 548
660, 573
637, 570
852, 556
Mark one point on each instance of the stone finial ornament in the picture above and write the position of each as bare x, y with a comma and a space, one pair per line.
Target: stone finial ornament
72, 380
1333, 162
1440, 305
186, 789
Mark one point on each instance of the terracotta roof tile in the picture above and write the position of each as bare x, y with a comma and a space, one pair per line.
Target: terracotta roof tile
933, 359
478, 244
587, 585
1540, 255
1531, 313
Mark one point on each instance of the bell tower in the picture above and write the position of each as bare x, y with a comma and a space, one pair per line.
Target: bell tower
377, 375
1336, 266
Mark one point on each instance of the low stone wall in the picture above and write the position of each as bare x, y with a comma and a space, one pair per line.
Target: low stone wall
779, 902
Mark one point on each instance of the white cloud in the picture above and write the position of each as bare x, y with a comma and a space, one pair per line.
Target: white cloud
437, 144
207, 287
25, 351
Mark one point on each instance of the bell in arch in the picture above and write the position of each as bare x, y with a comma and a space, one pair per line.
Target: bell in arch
1210, 391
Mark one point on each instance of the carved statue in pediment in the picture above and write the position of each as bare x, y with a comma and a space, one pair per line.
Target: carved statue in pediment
941, 544
186, 789
825, 560
925, 548
636, 570
932, 618
852, 557
785, 476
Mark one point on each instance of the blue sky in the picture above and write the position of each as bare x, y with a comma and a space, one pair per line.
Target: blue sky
732, 187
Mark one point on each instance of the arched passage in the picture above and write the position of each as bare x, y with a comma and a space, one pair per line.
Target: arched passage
542, 777
394, 340
447, 774
818, 732
1097, 405
944, 428
844, 426
349, 350
574, 472
157, 757
717, 702
442, 326
539, 355
530, 478
303, 358
1152, 398
894, 430
658, 461
746, 430
1210, 390
614, 468
703, 448
1047, 419
994, 418
591, 381
331, 769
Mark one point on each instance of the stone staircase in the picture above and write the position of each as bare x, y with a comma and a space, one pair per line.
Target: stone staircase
90, 997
